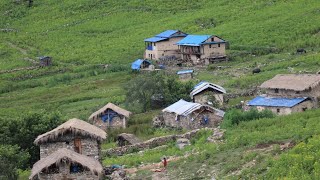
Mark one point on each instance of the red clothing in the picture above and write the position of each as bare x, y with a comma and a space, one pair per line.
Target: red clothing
165, 162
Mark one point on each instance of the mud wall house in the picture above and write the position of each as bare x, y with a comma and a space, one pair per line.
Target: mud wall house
124, 139
207, 93
202, 49
70, 151
294, 85
281, 105
185, 74
139, 64
188, 115
163, 45
110, 116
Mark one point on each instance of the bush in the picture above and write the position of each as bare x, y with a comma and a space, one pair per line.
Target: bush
235, 116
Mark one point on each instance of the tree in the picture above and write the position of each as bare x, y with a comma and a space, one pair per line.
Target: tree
11, 158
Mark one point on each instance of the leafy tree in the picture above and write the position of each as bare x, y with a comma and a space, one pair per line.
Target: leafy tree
22, 132
11, 158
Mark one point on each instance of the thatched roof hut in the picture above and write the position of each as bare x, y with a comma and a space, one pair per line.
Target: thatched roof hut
111, 106
129, 138
296, 82
64, 154
74, 126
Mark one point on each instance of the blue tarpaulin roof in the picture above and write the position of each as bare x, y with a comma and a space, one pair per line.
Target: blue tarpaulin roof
185, 71
193, 40
155, 39
137, 64
275, 102
167, 33
163, 36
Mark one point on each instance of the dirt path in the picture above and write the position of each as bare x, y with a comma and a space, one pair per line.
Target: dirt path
23, 52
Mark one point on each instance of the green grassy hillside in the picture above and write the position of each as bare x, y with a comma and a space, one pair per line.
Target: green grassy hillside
81, 35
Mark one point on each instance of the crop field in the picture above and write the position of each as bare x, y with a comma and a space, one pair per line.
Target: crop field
92, 44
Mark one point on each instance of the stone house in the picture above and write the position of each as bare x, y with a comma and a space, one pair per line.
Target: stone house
124, 139
189, 115
281, 105
110, 116
207, 93
288, 93
70, 151
202, 49
185, 74
163, 45
294, 85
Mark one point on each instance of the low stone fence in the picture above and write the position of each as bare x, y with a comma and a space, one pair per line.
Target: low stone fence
149, 144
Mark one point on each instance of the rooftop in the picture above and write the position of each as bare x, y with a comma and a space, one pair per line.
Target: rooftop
275, 102
166, 35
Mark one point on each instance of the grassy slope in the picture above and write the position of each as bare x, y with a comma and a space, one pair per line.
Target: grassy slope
81, 34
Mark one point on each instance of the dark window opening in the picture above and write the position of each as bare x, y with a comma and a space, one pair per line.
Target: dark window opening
53, 169
76, 168
77, 145
67, 142
276, 90
218, 45
278, 110
310, 88
154, 44
209, 45
304, 109
297, 92
212, 39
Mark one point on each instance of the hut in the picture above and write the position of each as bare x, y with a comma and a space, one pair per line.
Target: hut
110, 116
281, 105
124, 139
70, 151
185, 74
207, 93
202, 49
141, 64
294, 85
163, 45
189, 115
45, 61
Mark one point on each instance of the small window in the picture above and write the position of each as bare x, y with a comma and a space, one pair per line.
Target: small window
212, 39
276, 90
218, 45
297, 92
209, 45
278, 110
154, 44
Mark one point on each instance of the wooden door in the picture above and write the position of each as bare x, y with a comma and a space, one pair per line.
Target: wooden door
77, 145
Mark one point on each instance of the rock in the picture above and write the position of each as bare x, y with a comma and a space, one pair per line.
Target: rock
119, 175
216, 136
182, 142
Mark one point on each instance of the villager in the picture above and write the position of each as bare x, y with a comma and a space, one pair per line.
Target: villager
165, 163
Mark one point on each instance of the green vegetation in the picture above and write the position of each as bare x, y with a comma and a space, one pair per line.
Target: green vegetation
83, 36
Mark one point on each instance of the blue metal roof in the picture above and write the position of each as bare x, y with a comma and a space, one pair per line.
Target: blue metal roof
185, 71
155, 39
167, 33
137, 64
275, 102
193, 40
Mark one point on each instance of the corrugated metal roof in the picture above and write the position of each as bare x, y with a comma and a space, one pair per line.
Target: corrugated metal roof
167, 33
185, 71
155, 39
182, 107
206, 85
137, 64
193, 40
275, 102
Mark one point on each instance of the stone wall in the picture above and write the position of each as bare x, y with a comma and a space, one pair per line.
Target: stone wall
151, 143
86, 175
90, 147
205, 96
117, 122
192, 121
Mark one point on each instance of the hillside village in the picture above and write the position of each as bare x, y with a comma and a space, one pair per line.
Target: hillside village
198, 102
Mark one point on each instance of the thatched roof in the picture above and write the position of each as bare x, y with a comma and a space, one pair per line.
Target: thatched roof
65, 154
112, 107
132, 139
74, 126
296, 82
